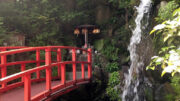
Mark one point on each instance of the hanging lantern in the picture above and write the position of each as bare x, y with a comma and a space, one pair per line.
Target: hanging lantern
76, 31
96, 31
84, 31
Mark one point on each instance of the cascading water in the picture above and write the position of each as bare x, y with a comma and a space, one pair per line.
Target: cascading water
133, 89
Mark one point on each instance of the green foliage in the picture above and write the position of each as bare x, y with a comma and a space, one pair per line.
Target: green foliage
113, 91
114, 79
169, 29
170, 54
111, 67
110, 51
68, 16
169, 97
175, 82
114, 94
164, 12
168, 60
111, 54
43, 22
122, 3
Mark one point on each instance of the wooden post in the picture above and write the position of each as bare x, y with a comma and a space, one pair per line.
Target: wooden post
90, 63
3, 68
63, 73
74, 64
48, 69
27, 87
82, 70
59, 60
38, 63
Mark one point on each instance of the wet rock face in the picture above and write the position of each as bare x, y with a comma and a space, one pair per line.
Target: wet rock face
145, 50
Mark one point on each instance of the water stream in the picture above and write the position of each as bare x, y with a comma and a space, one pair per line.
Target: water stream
133, 89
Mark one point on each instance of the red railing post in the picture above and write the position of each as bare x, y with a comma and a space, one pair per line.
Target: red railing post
3, 68
82, 69
38, 63
48, 69
63, 73
23, 68
74, 64
90, 63
27, 87
59, 60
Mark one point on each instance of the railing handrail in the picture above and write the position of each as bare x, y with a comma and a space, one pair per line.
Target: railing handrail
28, 49
30, 71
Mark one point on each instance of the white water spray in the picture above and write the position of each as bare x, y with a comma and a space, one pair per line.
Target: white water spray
131, 91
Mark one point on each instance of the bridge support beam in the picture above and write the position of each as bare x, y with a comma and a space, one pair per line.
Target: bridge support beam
90, 63
59, 60
27, 87
48, 69
74, 64
82, 69
38, 63
3, 68
63, 74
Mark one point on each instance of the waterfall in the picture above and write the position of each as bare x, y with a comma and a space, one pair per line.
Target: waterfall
133, 89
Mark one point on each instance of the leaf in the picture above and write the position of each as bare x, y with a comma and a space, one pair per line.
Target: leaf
167, 37
163, 65
162, 74
172, 74
149, 67
153, 31
177, 11
178, 33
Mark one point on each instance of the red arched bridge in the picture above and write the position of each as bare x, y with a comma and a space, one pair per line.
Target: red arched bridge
42, 73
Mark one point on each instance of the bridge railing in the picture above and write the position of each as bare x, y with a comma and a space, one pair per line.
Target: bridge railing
49, 64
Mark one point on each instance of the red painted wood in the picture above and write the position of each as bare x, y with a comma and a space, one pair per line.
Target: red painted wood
59, 59
48, 68
63, 73
82, 70
89, 64
74, 64
27, 87
38, 63
3, 68
49, 64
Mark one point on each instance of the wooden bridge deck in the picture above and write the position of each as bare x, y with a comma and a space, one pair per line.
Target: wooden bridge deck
18, 93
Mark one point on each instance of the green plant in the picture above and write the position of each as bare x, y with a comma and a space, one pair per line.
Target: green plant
175, 82
113, 91
111, 67
110, 50
164, 12
170, 54
168, 60
170, 97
